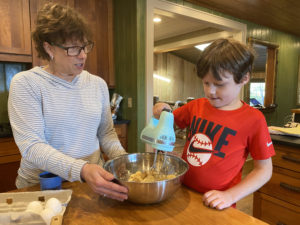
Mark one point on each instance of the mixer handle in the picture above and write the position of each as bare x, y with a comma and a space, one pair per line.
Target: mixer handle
167, 110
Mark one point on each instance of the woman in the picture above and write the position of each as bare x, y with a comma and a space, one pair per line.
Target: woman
60, 113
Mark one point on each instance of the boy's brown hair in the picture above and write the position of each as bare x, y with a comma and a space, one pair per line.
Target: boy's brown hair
226, 55
57, 24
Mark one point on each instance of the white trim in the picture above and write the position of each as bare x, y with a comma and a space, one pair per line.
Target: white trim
186, 43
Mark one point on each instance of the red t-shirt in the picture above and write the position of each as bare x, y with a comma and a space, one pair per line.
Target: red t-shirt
219, 141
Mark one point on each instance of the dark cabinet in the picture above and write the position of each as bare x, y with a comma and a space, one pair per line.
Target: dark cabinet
99, 15
278, 201
9, 164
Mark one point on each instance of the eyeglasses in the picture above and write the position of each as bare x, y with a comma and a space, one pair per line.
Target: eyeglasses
75, 50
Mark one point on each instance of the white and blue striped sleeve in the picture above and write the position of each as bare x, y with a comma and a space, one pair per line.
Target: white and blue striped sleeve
108, 138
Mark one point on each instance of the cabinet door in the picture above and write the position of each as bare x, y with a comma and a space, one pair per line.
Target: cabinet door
15, 27
99, 16
35, 5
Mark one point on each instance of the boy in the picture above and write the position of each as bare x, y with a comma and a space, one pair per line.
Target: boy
223, 128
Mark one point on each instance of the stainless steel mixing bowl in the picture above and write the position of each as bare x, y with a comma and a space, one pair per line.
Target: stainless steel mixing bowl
147, 193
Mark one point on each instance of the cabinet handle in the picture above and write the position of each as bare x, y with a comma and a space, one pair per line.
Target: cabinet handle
289, 187
289, 158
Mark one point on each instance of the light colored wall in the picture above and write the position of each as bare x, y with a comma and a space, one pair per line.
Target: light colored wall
183, 75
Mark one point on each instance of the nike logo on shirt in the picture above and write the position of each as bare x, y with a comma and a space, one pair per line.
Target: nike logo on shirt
269, 144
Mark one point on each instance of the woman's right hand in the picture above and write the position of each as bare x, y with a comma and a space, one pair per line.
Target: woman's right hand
158, 108
100, 182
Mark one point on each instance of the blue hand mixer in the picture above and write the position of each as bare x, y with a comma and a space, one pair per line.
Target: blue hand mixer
160, 133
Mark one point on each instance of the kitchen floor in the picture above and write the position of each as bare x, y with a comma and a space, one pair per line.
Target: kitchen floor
246, 204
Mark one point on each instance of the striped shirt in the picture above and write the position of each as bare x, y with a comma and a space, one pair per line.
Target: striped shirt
58, 125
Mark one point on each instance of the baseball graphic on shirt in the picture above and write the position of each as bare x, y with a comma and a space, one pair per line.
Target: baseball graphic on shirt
199, 150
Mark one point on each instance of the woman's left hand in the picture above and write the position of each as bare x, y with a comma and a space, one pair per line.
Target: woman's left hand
217, 199
102, 183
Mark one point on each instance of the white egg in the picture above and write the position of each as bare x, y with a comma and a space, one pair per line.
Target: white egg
47, 215
54, 204
35, 207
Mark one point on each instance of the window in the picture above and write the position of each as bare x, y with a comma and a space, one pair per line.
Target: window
7, 71
257, 91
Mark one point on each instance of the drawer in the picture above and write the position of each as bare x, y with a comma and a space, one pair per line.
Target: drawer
8, 174
8, 147
287, 157
283, 187
276, 212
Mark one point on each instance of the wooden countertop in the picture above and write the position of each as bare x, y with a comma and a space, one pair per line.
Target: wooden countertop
185, 207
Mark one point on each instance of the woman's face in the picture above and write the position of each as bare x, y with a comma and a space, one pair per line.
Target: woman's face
64, 65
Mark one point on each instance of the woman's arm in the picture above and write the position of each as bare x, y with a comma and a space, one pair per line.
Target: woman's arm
108, 139
260, 175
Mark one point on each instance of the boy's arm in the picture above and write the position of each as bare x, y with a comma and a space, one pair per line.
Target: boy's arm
260, 175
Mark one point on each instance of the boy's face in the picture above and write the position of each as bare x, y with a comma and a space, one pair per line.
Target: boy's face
223, 94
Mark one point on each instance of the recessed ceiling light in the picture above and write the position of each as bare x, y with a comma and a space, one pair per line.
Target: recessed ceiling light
156, 19
202, 46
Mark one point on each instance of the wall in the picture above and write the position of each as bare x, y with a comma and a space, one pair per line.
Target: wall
130, 48
287, 68
184, 81
129, 52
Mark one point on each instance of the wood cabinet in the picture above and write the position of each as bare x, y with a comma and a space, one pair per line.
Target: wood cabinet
15, 30
121, 130
278, 202
99, 15
35, 5
18, 20
9, 164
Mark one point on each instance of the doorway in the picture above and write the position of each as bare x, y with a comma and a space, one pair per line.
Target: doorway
190, 27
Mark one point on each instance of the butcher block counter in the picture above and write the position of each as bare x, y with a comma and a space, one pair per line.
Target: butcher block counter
185, 207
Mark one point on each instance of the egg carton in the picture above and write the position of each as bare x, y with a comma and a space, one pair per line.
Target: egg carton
13, 207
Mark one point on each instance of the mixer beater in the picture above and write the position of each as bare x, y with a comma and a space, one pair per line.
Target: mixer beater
160, 135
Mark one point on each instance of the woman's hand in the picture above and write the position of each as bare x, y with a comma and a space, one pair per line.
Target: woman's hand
217, 199
158, 108
100, 182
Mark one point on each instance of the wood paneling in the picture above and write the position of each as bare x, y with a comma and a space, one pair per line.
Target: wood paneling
184, 81
129, 44
99, 15
15, 27
277, 14
35, 5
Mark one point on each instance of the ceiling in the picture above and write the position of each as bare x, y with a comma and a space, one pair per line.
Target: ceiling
175, 27
283, 15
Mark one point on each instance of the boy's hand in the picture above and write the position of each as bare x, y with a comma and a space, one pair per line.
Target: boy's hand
217, 199
158, 107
